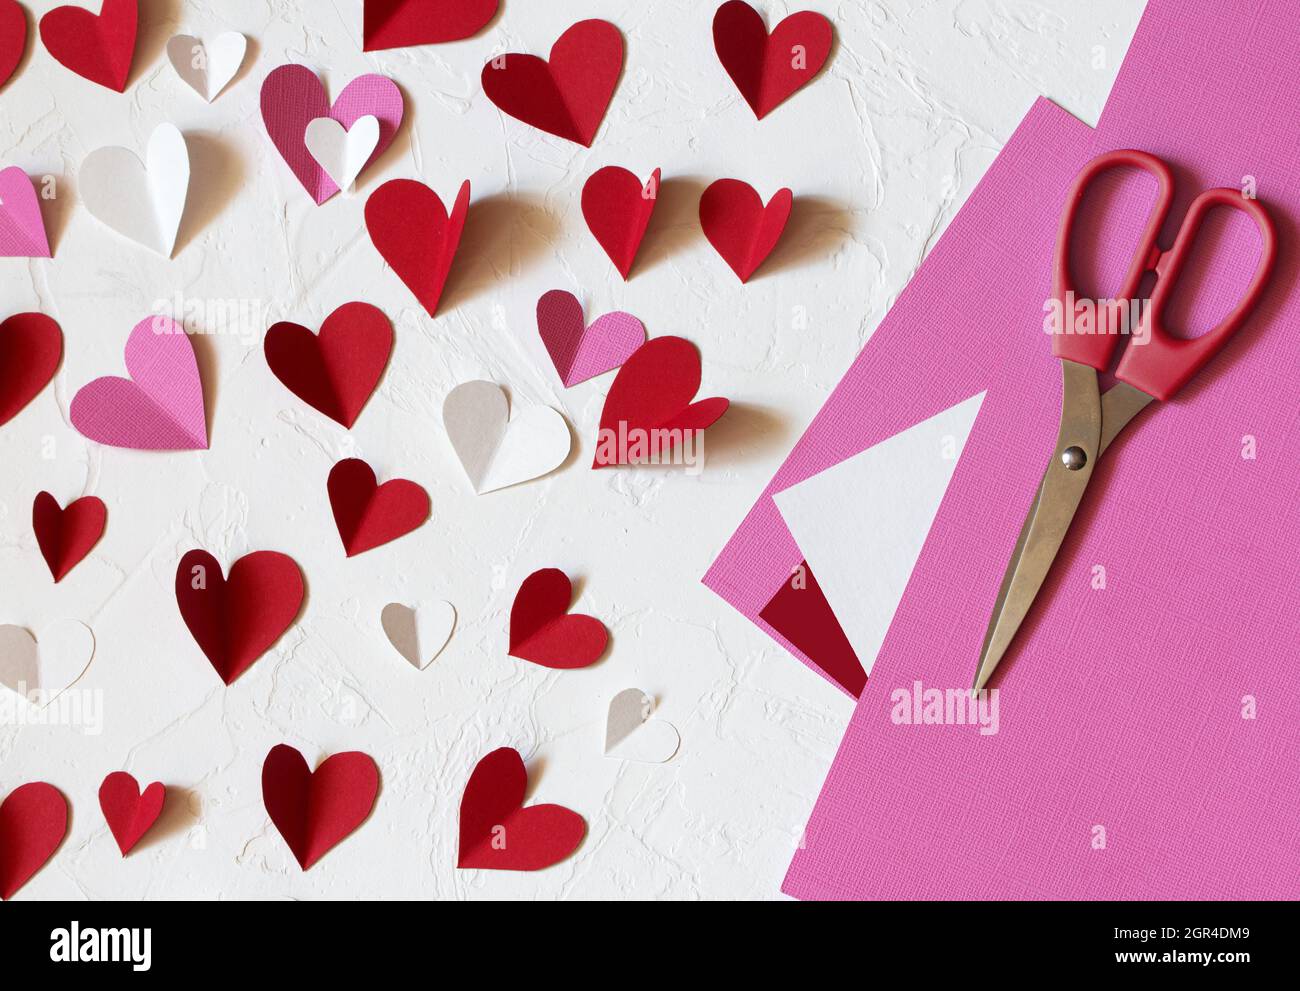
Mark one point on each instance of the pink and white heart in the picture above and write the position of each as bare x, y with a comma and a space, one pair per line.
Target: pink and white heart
580, 352
22, 231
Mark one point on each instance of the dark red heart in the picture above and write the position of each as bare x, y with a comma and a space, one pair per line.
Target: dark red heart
541, 629
336, 371
739, 227
237, 619
368, 514
316, 812
649, 406
128, 811
568, 95
98, 47
769, 69
617, 207
402, 23
13, 38
412, 231
31, 347
498, 833
33, 822
65, 536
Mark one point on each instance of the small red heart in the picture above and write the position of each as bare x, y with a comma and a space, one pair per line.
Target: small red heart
412, 231
33, 822
65, 536
568, 95
128, 811
98, 47
237, 619
739, 227
368, 514
769, 69
31, 347
649, 406
617, 207
316, 812
402, 23
13, 38
542, 631
498, 833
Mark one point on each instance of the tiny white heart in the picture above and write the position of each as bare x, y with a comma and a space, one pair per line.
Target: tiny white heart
630, 733
143, 201
40, 670
418, 636
207, 67
495, 450
342, 153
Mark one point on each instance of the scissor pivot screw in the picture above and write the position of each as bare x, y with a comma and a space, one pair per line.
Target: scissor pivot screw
1074, 458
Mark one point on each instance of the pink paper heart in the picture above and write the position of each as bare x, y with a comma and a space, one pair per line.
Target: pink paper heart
580, 352
22, 231
292, 97
160, 407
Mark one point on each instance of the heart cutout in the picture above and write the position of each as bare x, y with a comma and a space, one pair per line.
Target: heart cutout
13, 38
414, 234
368, 514
160, 407
498, 833
40, 670
419, 636
405, 23
33, 822
342, 152
236, 619
543, 631
580, 352
568, 95
207, 68
22, 228
630, 733
495, 450
741, 229
314, 812
128, 811
768, 69
98, 47
142, 201
617, 207
31, 347
66, 536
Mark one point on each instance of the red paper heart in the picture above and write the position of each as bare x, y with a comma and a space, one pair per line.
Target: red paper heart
769, 70
617, 207
98, 47
13, 38
368, 514
316, 812
498, 833
65, 536
739, 227
31, 347
568, 95
402, 23
411, 230
129, 812
649, 404
33, 822
542, 631
237, 619
336, 371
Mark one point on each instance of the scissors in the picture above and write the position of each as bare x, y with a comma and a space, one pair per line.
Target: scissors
1155, 365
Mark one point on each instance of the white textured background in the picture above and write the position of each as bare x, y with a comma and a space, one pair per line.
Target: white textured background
880, 151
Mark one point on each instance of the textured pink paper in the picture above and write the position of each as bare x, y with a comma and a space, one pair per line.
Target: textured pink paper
22, 230
580, 352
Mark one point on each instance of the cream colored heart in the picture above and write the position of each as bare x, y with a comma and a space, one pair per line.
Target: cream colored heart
342, 153
40, 669
495, 450
630, 733
143, 201
207, 67
419, 636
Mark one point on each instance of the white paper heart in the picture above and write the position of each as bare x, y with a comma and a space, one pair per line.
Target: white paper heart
495, 450
342, 153
630, 733
419, 636
39, 670
207, 67
142, 201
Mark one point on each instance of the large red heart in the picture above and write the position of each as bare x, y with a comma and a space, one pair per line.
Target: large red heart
33, 822
31, 347
336, 371
617, 207
739, 227
98, 47
648, 410
368, 514
316, 812
128, 811
412, 231
541, 629
768, 70
568, 95
498, 833
402, 23
13, 38
65, 536
237, 619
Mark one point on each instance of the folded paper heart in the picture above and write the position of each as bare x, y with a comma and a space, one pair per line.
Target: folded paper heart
33, 822
630, 733
22, 229
617, 207
314, 812
498, 833
403, 23
31, 347
741, 229
39, 670
236, 619
542, 631
207, 67
368, 514
768, 69
568, 95
496, 451
337, 370
580, 352
128, 811
160, 407
66, 536
13, 38
293, 97
649, 410
142, 201
419, 636
414, 234
97, 47
342, 152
